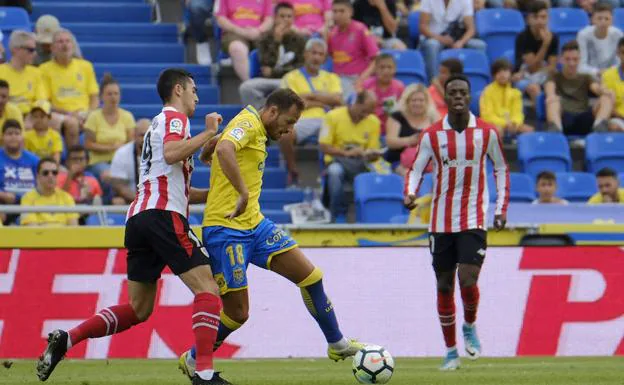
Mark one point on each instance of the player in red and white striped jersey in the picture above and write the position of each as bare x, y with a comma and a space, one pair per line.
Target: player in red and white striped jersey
459, 146
158, 234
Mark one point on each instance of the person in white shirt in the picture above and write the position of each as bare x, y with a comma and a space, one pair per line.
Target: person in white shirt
598, 42
446, 24
125, 166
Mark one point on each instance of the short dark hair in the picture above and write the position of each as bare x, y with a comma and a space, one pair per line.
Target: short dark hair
547, 175
572, 45
282, 5
45, 159
606, 172
384, 56
11, 123
499, 65
621, 43
4, 83
362, 96
537, 6
168, 79
76, 148
343, 2
284, 99
455, 66
603, 7
454, 77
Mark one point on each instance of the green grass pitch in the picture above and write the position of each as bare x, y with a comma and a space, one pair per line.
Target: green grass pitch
408, 371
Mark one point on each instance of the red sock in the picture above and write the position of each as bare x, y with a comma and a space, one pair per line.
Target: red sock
206, 310
114, 319
446, 312
470, 297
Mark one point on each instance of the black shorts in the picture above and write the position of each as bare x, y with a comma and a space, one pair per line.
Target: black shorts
159, 238
449, 249
577, 123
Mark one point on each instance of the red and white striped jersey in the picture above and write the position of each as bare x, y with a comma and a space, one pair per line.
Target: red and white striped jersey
460, 188
163, 186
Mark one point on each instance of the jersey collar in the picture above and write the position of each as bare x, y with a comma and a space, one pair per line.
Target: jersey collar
472, 122
170, 108
254, 112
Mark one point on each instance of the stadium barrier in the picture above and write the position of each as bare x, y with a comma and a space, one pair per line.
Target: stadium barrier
564, 301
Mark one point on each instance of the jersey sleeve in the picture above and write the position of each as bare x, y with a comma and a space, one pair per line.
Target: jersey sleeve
175, 124
501, 171
424, 152
241, 134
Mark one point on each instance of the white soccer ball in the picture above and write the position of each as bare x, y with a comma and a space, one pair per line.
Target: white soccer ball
373, 365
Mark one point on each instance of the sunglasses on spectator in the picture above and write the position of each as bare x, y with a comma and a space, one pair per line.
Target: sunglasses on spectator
29, 49
48, 172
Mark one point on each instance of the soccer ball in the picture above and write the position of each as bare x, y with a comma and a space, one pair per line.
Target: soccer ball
373, 365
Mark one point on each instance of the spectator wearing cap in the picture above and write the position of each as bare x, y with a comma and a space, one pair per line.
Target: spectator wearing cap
45, 28
42, 140
382, 18
125, 166
8, 110
24, 79
280, 51
243, 22
48, 194
84, 188
70, 85
199, 12
17, 165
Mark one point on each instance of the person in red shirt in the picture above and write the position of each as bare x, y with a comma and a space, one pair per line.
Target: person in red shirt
387, 89
84, 188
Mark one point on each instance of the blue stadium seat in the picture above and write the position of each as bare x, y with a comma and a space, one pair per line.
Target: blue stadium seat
275, 199
413, 28
201, 177
147, 94
13, 18
228, 111
498, 27
618, 18
542, 151
112, 219
566, 22
124, 32
476, 65
147, 73
133, 52
426, 186
474, 102
604, 150
576, 186
273, 157
410, 66
101, 12
254, 64
274, 177
277, 216
521, 188
621, 178
378, 197
400, 219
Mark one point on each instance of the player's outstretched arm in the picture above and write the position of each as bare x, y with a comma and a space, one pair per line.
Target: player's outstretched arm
414, 176
501, 173
226, 152
178, 150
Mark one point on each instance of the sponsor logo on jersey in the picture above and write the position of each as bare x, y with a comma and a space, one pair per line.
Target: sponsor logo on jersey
237, 133
175, 126
459, 162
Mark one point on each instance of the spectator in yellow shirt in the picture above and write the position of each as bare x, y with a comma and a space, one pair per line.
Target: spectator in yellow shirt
47, 194
613, 80
43, 140
349, 139
24, 79
501, 104
70, 86
8, 110
609, 190
107, 129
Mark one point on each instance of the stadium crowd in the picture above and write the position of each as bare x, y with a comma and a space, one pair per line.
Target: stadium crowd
62, 128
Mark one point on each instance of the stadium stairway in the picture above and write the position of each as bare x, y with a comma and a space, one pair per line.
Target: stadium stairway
119, 37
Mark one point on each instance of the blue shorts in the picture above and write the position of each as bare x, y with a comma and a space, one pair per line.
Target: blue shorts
232, 250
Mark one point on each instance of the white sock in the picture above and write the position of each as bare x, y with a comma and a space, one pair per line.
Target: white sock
451, 349
340, 345
205, 374
69, 344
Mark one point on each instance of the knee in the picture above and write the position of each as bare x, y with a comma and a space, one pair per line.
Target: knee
238, 50
432, 45
238, 314
335, 170
467, 281
245, 88
71, 124
445, 287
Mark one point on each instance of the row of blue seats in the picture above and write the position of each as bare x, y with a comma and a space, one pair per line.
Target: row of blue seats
147, 73
103, 11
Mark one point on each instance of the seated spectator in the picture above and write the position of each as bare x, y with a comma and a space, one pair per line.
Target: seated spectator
8, 110
83, 188
47, 194
535, 52
546, 188
107, 129
614, 82
199, 12
501, 104
387, 89
312, 17
18, 167
125, 166
382, 18
567, 98
242, 22
450, 26
320, 90
71, 87
349, 140
45, 28
24, 80
447, 68
42, 140
598, 42
352, 48
280, 50
415, 113
609, 190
